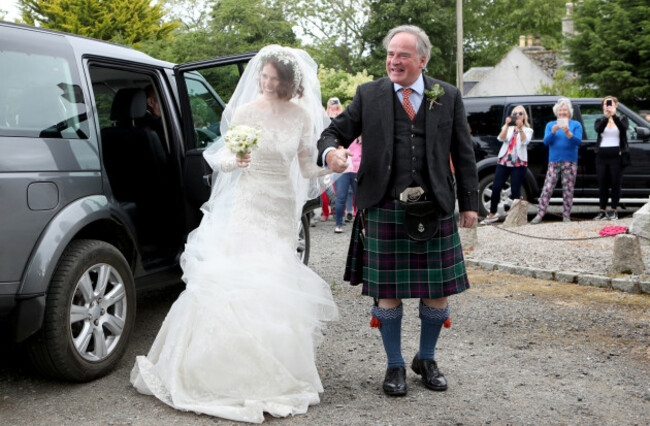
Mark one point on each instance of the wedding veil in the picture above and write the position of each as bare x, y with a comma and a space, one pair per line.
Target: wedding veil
248, 90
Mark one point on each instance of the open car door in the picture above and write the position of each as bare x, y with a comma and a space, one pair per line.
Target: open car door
204, 88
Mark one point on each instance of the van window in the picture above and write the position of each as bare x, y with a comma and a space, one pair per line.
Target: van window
40, 90
590, 113
484, 119
540, 116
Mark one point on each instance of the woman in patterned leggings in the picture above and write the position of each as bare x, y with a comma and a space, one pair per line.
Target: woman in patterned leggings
563, 137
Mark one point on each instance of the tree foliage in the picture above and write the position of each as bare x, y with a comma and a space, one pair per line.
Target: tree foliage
192, 14
340, 84
566, 84
132, 21
234, 26
612, 49
492, 27
332, 29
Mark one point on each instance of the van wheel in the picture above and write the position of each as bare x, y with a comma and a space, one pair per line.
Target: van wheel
303, 240
485, 195
89, 313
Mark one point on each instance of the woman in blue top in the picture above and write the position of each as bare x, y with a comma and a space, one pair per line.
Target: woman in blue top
563, 137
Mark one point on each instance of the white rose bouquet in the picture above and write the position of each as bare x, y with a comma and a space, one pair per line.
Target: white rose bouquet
242, 139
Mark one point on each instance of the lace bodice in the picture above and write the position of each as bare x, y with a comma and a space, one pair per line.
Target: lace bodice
265, 193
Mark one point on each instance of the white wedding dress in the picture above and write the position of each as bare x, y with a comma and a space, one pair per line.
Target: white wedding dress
241, 339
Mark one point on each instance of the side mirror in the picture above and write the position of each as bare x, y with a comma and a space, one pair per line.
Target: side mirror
643, 133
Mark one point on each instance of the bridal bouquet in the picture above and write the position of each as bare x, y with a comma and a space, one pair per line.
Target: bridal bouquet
242, 139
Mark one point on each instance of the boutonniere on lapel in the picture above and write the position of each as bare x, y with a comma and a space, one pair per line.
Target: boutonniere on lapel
434, 94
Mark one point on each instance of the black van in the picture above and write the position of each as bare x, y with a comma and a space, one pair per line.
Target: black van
486, 115
97, 195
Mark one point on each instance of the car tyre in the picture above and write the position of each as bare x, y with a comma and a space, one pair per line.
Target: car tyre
89, 313
485, 193
304, 244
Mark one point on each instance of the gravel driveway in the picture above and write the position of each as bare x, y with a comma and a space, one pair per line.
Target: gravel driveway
520, 351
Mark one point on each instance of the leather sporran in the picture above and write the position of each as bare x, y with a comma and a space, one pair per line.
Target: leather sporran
421, 220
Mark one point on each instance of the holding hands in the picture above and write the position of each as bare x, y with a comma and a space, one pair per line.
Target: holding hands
337, 159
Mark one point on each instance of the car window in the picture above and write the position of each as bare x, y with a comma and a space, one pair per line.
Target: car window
590, 113
540, 116
484, 119
40, 90
207, 110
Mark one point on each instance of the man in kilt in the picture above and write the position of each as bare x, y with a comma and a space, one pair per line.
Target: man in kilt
410, 124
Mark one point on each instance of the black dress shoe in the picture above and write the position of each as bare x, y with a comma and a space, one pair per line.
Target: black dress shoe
395, 381
431, 376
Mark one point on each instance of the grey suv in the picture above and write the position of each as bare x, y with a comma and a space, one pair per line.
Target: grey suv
97, 195
486, 115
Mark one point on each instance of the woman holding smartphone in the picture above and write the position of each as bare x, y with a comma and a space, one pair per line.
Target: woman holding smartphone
611, 149
563, 137
512, 160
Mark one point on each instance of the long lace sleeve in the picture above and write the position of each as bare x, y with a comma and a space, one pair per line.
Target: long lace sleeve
307, 153
307, 160
227, 161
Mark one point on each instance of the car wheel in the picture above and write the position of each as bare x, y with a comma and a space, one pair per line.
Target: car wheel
89, 313
303, 240
485, 195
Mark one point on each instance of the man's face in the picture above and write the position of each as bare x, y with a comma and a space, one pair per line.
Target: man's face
403, 64
152, 106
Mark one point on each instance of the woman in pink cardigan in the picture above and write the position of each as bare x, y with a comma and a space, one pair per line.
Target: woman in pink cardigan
347, 180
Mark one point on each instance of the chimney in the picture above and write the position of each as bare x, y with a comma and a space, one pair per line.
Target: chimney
567, 21
530, 41
522, 41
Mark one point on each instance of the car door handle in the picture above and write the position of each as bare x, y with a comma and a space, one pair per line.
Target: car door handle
207, 180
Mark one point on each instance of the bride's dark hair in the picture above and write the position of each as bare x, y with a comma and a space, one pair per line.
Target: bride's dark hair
286, 72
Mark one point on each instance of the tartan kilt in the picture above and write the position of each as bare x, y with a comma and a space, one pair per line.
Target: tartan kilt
396, 267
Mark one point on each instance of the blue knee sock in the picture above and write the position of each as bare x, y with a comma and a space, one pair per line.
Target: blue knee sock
391, 333
431, 320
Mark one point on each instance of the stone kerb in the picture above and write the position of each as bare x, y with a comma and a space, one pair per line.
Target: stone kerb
627, 255
625, 284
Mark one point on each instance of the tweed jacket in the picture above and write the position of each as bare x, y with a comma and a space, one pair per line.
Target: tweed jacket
371, 114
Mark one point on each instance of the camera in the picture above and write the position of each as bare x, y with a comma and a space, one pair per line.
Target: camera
513, 120
609, 102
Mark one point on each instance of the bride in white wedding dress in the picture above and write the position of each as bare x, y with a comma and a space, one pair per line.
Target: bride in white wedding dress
241, 339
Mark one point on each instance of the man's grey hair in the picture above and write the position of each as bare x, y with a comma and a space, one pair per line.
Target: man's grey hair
560, 102
422, 44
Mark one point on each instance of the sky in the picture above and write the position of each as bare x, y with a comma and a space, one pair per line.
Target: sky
10, 6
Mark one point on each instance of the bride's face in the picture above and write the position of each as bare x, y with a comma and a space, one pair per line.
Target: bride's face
269, 82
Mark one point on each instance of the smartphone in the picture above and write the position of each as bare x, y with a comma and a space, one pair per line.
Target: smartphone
335, 101
608, 102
